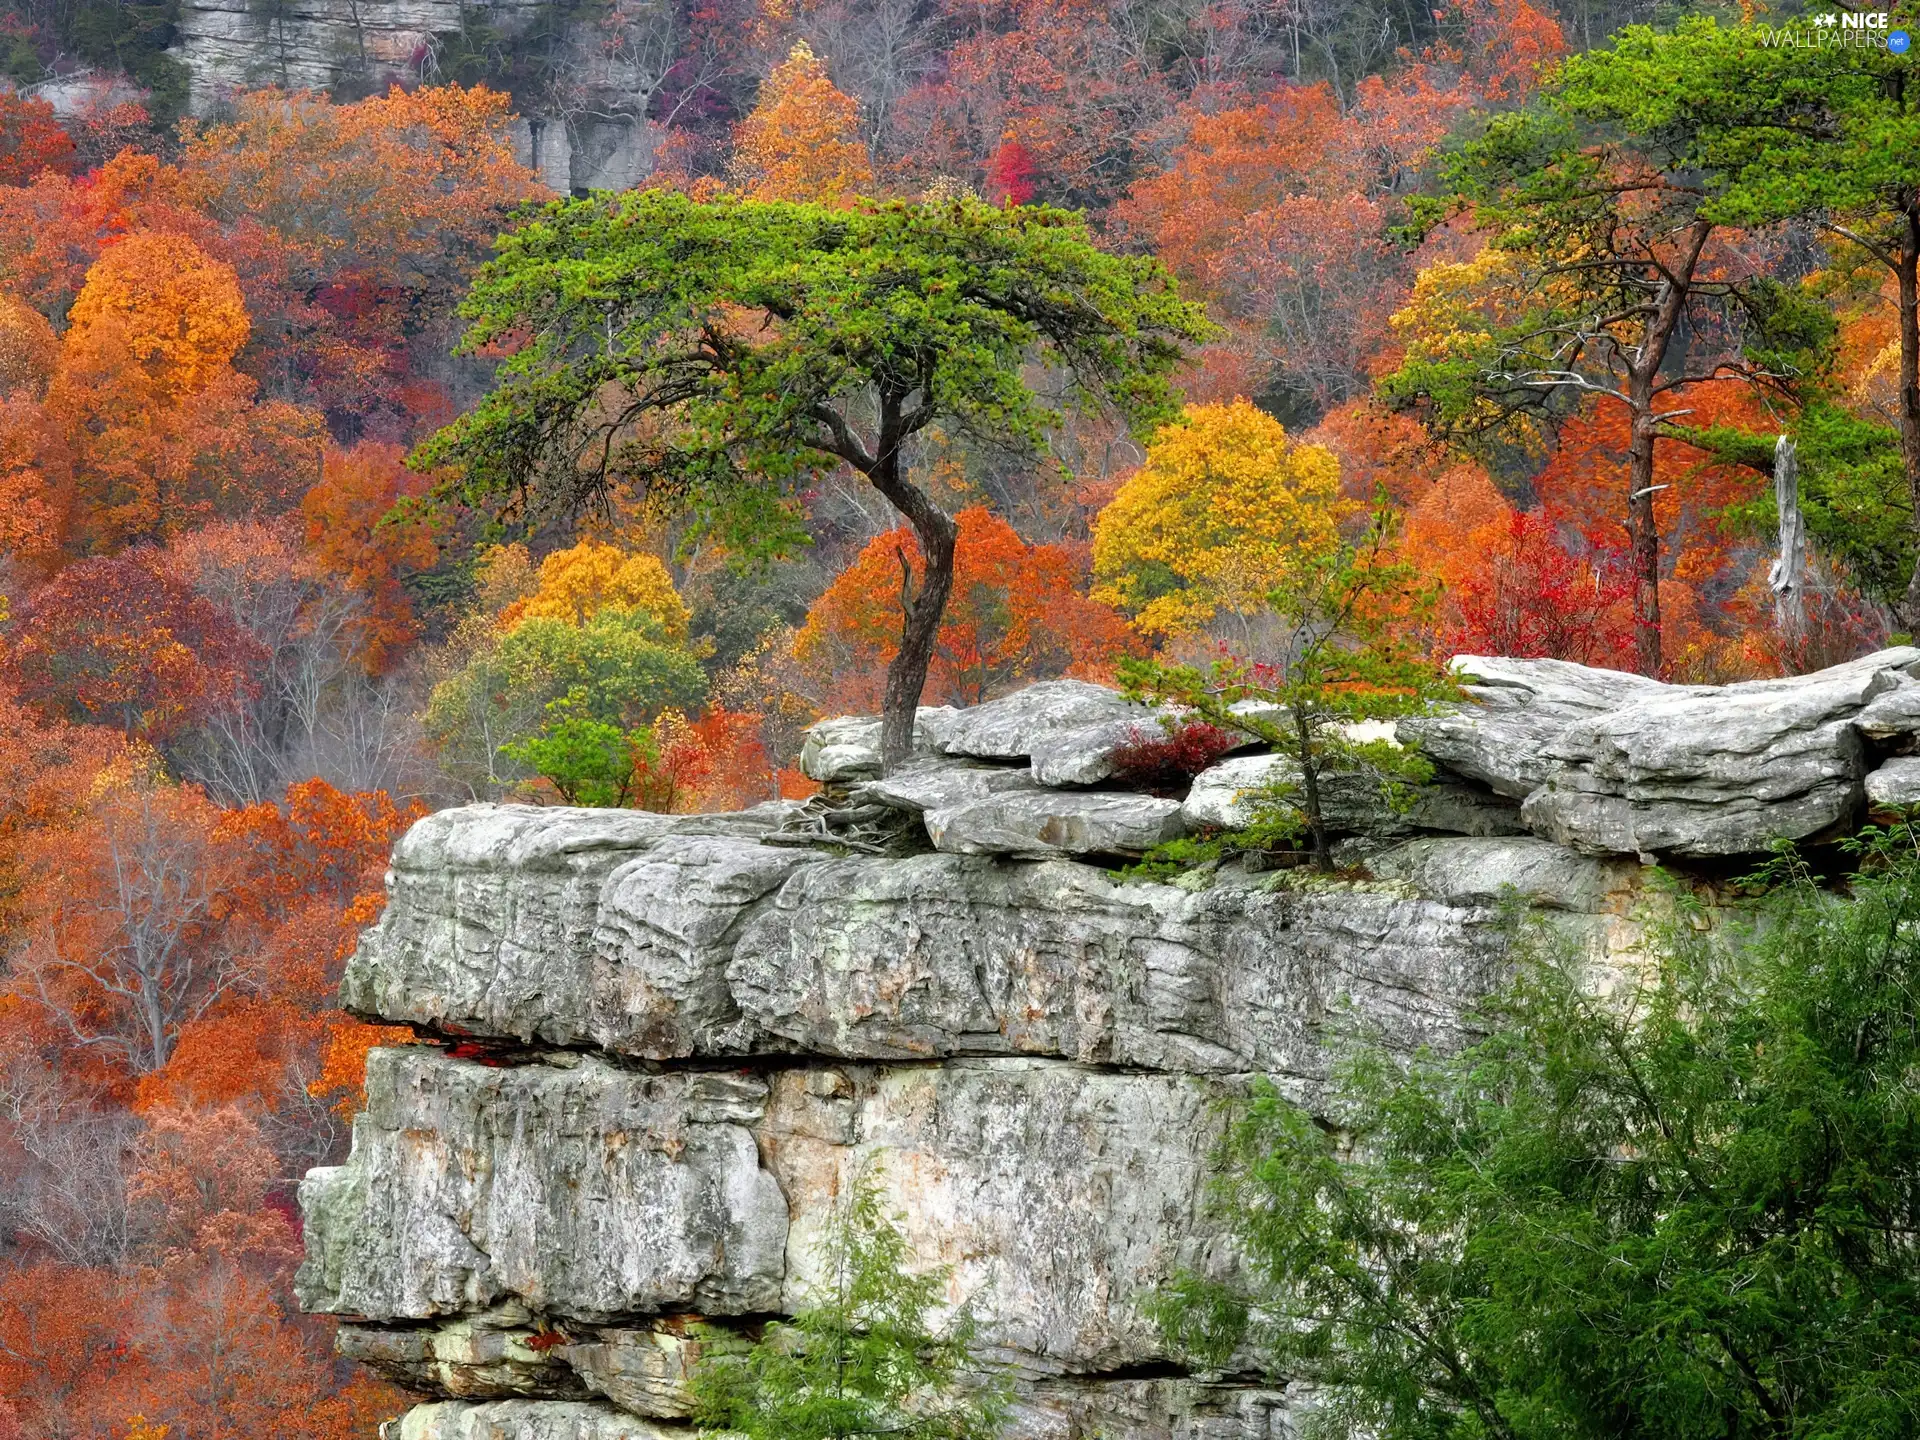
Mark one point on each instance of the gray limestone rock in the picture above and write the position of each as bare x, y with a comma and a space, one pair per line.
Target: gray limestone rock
1012, 727
1226, 797
721, 948
1085, 754
1896, 784
936, 783
1464, 871
942, 955
1726, 771
483, 1356
582, 1190
491, 914
530, 1420
1892, 718
1515, 710
1055, 822
847, 748
1060, 1196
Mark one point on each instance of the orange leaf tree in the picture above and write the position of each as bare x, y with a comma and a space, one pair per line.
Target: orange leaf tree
1016, 614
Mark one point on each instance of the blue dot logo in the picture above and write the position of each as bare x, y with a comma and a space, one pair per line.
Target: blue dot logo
1899, 42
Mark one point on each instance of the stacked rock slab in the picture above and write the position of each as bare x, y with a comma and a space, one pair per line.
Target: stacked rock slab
659, 1048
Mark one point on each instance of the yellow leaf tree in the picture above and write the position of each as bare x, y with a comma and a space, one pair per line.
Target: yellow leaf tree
577, 583
802, 140
1223, 510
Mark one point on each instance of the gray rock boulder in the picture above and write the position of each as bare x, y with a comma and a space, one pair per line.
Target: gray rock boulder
1705, 772
585, 1189
530, 1420
1226, 797
1896, 784
847, 747
1464, 871
936, 783
1012, 727
483, 1356
1055, 822
1515, 710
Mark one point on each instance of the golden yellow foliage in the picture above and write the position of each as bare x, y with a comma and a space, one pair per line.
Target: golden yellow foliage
576, 583
28, 348
1223, 509
802, 140
1456, 305
179, 312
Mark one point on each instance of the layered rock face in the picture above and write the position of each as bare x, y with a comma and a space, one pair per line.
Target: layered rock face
660, 1047
610, 71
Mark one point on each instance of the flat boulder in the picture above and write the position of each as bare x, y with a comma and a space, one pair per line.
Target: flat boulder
1014, 726
1698, 771
1056, 822
1515, 709
847, 747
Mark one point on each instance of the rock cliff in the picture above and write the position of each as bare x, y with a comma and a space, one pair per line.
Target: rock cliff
658, 1047
589, 81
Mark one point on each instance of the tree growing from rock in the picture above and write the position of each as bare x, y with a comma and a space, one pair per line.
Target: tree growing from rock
718, 355
1344, 662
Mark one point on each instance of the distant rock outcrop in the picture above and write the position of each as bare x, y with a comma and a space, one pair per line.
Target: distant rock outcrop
665, 1044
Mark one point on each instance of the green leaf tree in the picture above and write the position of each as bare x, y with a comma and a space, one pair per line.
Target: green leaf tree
860, 1359
1602, 285
720, 354
1684, 1210
617, 670
1342, 663
1829, 133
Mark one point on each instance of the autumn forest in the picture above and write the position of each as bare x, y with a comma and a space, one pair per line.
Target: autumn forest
310, 524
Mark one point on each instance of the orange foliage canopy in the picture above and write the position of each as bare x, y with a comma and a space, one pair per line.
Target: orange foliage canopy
117, 642
178, 312
31, 140
349, 537
802, 140
1016, 614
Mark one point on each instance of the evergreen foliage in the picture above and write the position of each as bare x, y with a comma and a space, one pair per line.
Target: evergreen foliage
1681, 1207
861, 1358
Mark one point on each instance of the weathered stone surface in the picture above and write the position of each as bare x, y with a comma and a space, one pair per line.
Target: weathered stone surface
726, 948
847, 748
1012, 727
582, 1189
1464, 871
1054, 822
1226, 796
1892, 718
530, 1420
1896, 784
492, 914
647, 1370
1516, 709
1061, 1196
1724, 771
484, 1356
940, 955
1084, 755
936, 783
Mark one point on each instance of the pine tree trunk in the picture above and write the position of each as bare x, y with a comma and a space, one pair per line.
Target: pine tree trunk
1906, 271
907, 675
1644, 538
